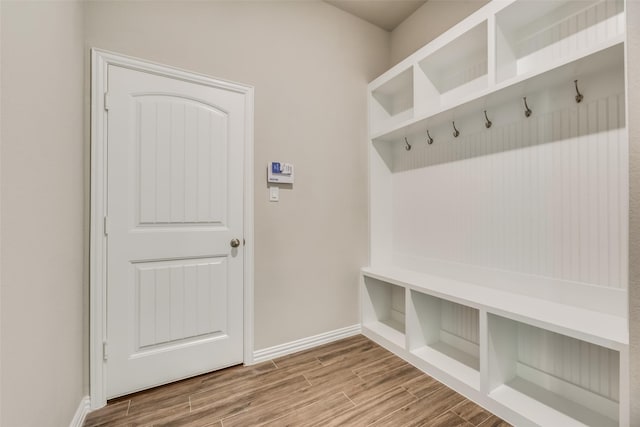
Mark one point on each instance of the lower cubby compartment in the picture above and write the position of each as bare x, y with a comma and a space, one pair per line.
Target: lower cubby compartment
445, 335
552, 379
383, 310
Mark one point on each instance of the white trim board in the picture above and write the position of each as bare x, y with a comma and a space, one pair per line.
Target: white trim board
84, 407
305, 343
100, 60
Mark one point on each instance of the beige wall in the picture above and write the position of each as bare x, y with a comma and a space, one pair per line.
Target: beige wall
633, 62
427, 23
310, 64
42, 213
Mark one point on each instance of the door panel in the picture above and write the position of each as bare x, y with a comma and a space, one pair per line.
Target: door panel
191, 292
175, 201
176, 137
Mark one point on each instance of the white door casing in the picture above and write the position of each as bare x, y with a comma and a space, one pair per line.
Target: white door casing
167, 287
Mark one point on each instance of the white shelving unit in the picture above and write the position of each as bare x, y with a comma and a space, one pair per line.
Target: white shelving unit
499, 257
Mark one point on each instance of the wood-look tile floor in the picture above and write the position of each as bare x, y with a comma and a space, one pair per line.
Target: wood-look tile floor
351, 382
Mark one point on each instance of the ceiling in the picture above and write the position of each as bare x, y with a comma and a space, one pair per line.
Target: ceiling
386, 14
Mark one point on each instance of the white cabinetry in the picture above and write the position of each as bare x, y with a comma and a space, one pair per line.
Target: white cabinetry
499, 255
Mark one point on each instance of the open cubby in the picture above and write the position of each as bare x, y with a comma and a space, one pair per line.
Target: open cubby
552, 379
446, 335
383, 310
533, 36
392, 101
453, 72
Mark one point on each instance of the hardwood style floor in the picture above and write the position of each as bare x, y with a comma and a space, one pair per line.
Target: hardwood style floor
352, 382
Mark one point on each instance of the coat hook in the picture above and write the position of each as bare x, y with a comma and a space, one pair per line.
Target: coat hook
407, 146
456, 133
429, 139
487, 122
579, 95
527, 110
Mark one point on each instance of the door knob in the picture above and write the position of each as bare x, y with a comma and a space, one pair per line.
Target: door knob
235, 243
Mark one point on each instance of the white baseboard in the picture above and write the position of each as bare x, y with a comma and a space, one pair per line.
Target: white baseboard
81, 413
305, 343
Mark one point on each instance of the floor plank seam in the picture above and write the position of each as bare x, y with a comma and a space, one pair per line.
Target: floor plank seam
409, 391
307, 380
352, 402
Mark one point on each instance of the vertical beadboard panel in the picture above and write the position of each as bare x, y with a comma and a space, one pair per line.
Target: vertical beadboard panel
191, 159
146, 307
398, 309
543, 196
163, 162
180, 299
204, 152
177, 171
146, 118
580, 363
460, 321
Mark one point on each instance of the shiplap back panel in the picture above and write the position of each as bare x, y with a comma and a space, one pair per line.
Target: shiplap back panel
460, 321
586, 365
544, 196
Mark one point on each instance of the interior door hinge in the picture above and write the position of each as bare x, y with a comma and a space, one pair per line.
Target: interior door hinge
107, 101
105, 356
105, 226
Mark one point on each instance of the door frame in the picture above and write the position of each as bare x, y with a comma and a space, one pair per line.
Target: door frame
100, 60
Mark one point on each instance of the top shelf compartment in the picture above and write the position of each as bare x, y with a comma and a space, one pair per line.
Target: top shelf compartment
393, 100
535, 35
453, 72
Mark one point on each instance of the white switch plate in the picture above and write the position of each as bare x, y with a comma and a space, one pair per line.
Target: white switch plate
274, 193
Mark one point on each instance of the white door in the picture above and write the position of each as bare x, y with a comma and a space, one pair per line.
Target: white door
174, 229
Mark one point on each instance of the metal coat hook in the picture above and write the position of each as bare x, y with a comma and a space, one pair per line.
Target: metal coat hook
579, 96
527, 110
456, 132
407, 146
429, 139
487, 122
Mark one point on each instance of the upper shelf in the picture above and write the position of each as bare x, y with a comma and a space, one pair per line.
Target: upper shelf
503, 45
534, 35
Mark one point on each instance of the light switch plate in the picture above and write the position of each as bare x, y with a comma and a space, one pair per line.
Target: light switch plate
274, 193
